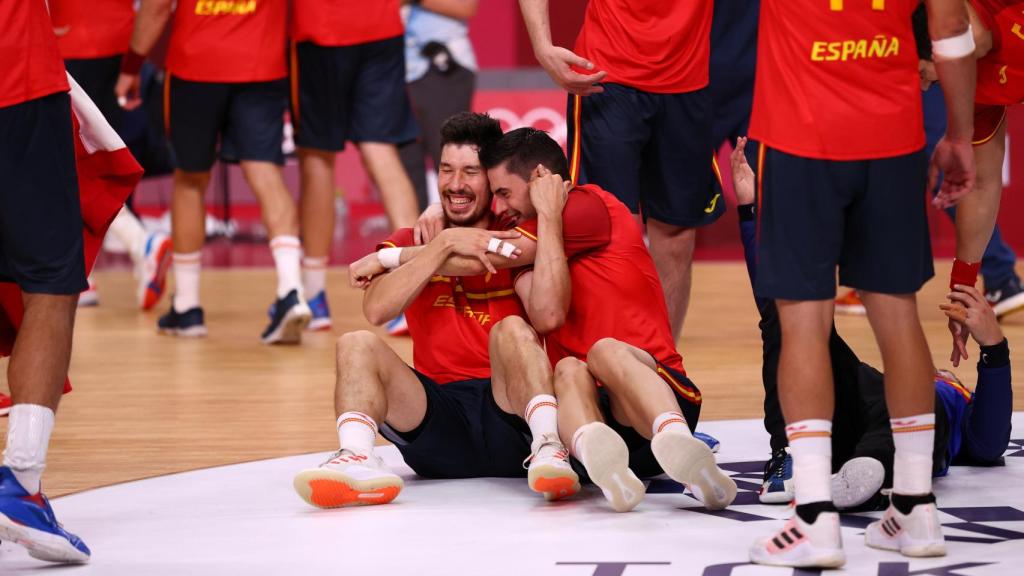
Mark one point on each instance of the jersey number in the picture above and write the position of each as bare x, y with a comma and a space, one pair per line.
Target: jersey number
875, 4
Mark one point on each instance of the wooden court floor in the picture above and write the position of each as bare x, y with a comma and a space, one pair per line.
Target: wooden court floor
146, 405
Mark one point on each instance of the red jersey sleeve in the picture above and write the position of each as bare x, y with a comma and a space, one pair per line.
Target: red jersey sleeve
586, 224
400, 239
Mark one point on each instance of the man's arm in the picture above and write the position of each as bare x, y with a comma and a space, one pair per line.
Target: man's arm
548, 304
150, 22
389, 294
557, 61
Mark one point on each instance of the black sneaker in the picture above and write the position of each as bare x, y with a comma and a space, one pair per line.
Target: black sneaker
291, 315
1006, 300
188, 324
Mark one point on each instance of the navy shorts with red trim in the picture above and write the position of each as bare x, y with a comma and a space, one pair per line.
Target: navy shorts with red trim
653, 151
866, 217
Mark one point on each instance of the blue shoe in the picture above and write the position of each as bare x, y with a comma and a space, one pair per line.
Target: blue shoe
398, 326
29, 520
291, 315
188, 324
321, 313
708, 439
778, 487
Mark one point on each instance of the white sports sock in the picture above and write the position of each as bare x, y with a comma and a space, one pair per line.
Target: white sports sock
129, 230
287, 251
914, 437
314, 275
810, 444
356, 432
187, 267
542, 417
28, 437
669, 421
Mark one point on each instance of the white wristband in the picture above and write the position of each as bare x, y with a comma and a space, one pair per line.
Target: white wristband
954, 47
390, 258
501, 247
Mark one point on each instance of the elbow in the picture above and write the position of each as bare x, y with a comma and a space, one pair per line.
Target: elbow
376, 315
547, 321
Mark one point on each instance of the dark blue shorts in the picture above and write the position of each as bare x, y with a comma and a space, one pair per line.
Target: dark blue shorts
653, 151
98, 76
354, 93
866, 217
247, 118
41, 246
464, 434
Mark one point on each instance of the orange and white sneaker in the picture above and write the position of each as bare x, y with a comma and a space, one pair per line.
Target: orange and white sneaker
916, 534
606, 458
348, 479
549, 471
850, 304
803, 545
689, 461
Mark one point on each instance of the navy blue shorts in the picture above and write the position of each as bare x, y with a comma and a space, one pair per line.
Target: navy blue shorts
351, 93
868, 217
247, 118
41, 246
98, 76
653, 151
464, 434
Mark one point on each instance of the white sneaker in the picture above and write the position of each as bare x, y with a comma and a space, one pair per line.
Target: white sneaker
803, 545
607, 464
916, 534
348, 479
689, 461
90, 296
858, 480
549, 469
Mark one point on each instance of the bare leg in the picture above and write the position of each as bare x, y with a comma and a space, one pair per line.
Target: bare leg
805, 367
188, 211
385, 168
372, 379
976, 214
317, 199
909, 372
576, 391
277, 204
519, 366
672, 250
42, 351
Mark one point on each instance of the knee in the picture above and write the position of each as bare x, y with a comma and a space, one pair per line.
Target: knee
191, 180
571, 374
358, 342
512, 331
607, 353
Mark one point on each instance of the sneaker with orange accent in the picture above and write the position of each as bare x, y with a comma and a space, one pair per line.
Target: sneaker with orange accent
850, 304
549, 471
348, 479
803, 545
916, 534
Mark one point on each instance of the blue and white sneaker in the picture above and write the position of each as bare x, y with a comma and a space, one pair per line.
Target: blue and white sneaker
398, 326
187, 324
28, 520
321, 313
291, 316
778, 487
708, 439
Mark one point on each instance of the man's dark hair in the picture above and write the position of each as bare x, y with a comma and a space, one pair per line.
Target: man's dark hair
523, 149
470, 128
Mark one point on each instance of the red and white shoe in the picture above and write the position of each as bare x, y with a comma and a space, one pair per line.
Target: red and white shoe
850, 304
153, 262
549, 471
803, 545
348, 479
916, 534
5, 404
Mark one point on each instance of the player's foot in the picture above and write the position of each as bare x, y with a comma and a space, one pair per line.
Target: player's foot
607, 463
154, 261
291, 315
916, 534
398, 326
321, 319
850, 304
28, 520
187, 324
348, 479
689, 461
1006, 299
858, 480
778, 487
5, 404
90, 296
803, 545
549, 471
708, 439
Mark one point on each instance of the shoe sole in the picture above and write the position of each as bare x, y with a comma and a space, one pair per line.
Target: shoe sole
89, 301
689, 461
553, 482
319, 325
41, 545
858, 480
190, 332
1009, 306
331, 489
875, 538
851, 310
148, 298
830, 559
290, 330
608, 467
775, 498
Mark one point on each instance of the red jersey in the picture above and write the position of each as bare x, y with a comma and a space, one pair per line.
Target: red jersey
93, 28
652, 45
616, 292
450, 320
31, 63
1001, 71
346, 22
229, 40
838, 79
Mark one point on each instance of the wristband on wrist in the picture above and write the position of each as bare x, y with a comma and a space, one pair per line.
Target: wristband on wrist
131, 63
964, 273
390, 258
747, 212
996, 355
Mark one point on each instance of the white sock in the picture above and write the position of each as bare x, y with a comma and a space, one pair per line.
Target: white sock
356, 432
314, 275
287, 251
669, 421
914, 437
28, 436
810, 444
129, 230
186, 280
542, 417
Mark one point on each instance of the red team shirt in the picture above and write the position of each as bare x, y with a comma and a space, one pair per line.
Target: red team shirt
451, 318
229, 40
1001, 71
838, 79
346, 22
29, 58
95, 28
659, 46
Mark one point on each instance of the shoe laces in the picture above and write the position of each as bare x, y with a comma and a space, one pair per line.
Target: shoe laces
349, 457
549, 443
775, 469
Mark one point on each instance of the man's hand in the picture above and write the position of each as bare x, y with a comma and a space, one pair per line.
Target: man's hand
955, 159
742, 175
476, 243
127, 91
558, 62
548, 192
429, 224
970, 309
363, 270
